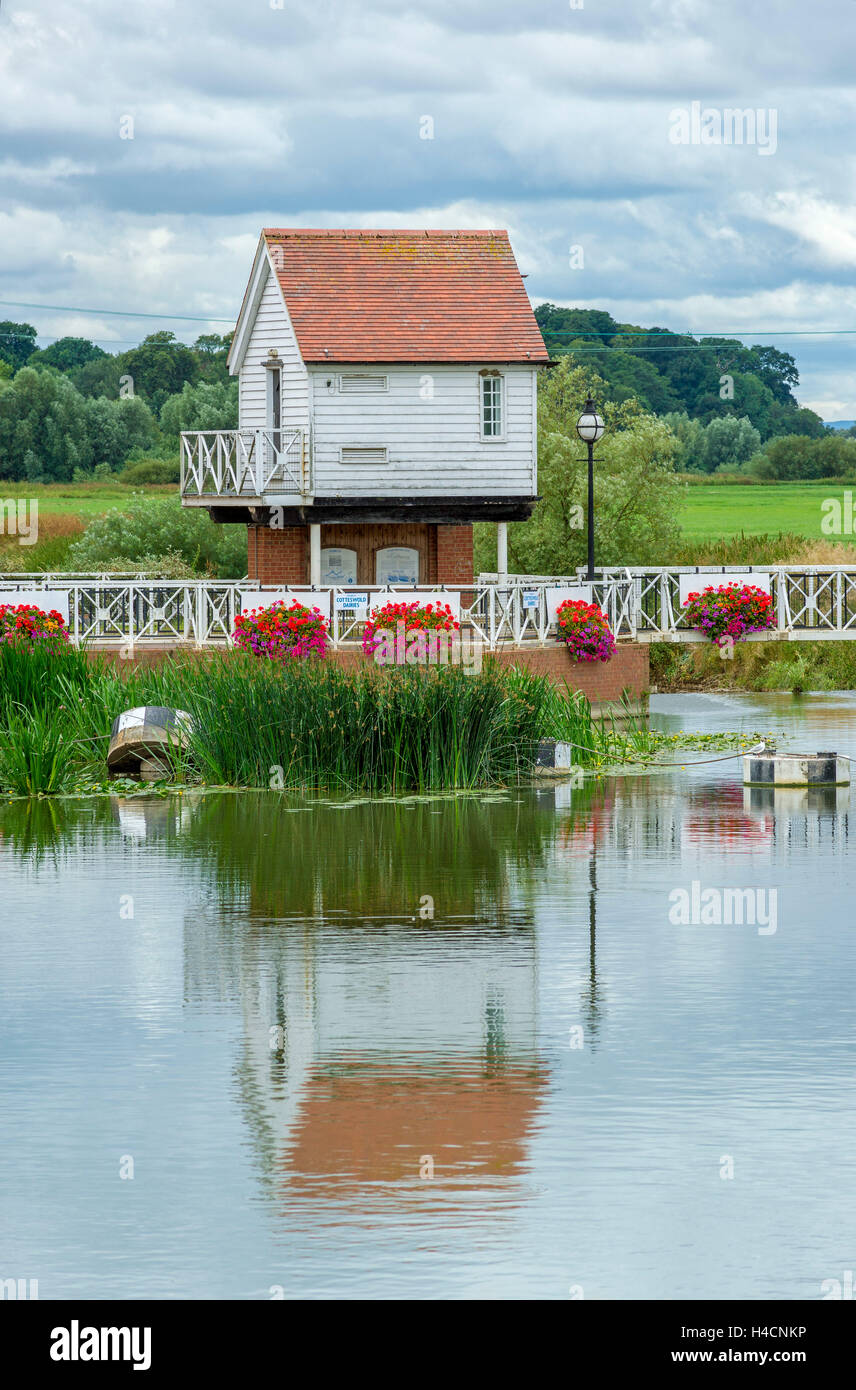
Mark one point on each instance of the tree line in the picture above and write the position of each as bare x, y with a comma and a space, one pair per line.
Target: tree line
71, 410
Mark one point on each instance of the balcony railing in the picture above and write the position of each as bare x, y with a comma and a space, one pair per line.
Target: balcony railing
246, 464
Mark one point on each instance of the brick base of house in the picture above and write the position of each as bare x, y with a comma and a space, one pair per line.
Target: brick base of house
282, 556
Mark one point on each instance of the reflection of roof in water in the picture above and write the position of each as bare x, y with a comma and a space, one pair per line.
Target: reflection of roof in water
375, 1121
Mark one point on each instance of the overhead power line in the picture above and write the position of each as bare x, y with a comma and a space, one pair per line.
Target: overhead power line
695, 333
114, 313
553, 333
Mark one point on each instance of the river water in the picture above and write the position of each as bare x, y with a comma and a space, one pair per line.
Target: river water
256, 1046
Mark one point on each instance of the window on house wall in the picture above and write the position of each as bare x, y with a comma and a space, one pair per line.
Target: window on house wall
338, 565
492, 423
397, 564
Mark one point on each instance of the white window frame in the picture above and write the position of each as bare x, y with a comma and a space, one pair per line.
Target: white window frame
500, 436
273, 369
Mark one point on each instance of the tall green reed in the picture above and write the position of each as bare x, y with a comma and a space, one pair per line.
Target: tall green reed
317, 725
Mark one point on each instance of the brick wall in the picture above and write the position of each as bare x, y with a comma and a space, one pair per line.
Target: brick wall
454, 555
282, 556
602, 682
278, 557
368, 539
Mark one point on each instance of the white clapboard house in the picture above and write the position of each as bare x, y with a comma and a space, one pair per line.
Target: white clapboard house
387, 401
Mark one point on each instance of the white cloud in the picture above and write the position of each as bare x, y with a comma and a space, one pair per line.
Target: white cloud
549, 121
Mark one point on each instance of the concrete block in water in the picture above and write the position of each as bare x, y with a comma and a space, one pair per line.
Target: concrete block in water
554, 756
772, 769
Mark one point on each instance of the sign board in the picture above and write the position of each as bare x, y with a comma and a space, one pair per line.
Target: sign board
338, 565
354, 604
697, 583
557, 595
529, 598
397, 564
38, 598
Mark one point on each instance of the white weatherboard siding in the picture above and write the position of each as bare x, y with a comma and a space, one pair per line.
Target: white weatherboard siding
433, 445
272, 329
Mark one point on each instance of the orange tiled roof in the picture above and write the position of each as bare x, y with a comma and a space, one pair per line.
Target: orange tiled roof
392, 296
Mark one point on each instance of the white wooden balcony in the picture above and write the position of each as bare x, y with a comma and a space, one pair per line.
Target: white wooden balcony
245, 465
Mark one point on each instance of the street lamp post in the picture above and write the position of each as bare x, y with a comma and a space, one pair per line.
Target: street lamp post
590, 427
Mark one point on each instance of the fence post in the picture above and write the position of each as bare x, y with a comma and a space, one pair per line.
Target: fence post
781, 600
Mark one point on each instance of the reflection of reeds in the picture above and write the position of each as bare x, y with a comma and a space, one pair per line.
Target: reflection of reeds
36, 830
372, 860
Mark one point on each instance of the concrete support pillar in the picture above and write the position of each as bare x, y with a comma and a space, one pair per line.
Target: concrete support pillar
502, 548
314, 554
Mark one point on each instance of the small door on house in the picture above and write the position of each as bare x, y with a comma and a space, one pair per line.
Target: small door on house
397, 564
338, 566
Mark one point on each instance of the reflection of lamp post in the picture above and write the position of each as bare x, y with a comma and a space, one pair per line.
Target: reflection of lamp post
590, 427
593, 1009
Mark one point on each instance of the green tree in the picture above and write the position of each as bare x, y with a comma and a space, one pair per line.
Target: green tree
147, 528
206, 406
689, 441
211, 350
17, 342
44, 430
159, 367
118, 428
98, 377
635, 483
796, 456
729, 441
67, 353
785, 420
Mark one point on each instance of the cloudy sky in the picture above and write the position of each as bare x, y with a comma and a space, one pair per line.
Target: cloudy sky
558, 119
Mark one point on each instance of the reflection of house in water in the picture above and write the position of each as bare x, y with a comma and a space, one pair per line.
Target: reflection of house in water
375, 1038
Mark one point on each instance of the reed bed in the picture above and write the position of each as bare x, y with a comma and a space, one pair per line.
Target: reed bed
318, 726
301, 725
306, 725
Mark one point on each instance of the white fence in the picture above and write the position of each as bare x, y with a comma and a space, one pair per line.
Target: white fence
810, 602
246, 463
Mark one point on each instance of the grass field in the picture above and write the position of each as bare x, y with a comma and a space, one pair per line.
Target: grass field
714, 510
722, 523
77, 499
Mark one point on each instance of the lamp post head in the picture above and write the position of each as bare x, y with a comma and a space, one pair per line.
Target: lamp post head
590, 425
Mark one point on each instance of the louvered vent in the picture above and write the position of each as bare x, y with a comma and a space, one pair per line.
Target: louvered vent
352, 453
363, 381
